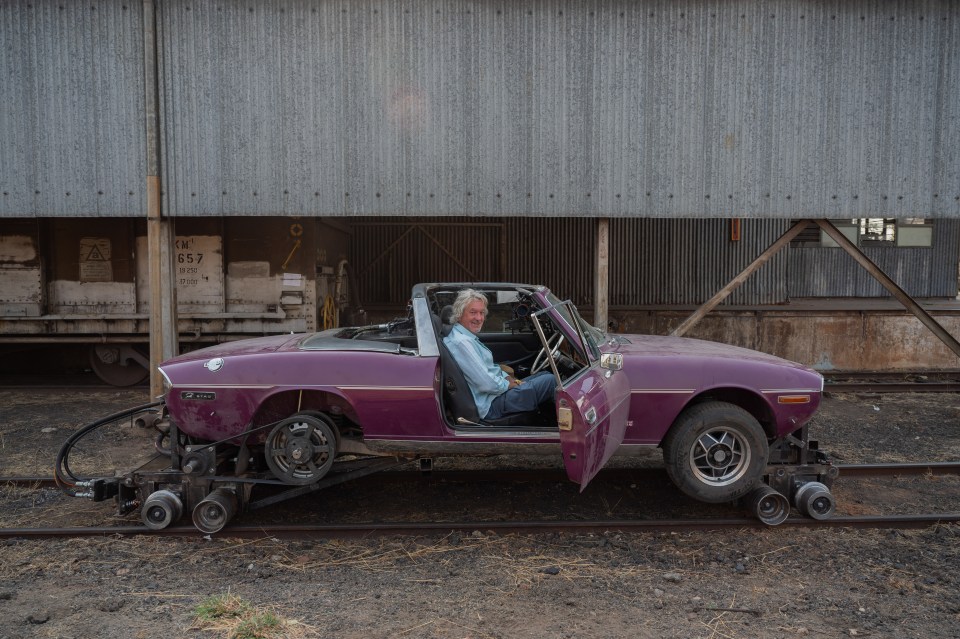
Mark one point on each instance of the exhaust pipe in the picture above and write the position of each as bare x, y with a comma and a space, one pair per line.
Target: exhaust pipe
161, 509
216, 511
767, 505
815, 500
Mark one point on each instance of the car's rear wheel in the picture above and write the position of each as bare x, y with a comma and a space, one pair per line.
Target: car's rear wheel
715, 452
300, 449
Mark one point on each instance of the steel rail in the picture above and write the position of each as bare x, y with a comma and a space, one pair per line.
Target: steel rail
945, 381
400, 528
892, 387
551, 474
904, 469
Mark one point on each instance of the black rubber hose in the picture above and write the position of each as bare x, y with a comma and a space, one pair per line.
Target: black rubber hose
61, 471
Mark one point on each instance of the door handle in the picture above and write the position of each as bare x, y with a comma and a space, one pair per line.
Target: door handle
591, 416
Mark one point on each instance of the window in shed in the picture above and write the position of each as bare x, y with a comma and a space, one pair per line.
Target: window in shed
871, 231
877, 230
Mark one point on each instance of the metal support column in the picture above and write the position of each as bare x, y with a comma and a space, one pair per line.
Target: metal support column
601, 284
163, 300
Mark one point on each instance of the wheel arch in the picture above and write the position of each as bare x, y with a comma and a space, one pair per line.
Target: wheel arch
749, 400
287, 402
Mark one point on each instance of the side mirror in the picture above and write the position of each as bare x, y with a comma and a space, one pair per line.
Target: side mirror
611, 361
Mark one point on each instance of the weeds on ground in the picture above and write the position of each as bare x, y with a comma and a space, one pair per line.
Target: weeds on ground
230, 616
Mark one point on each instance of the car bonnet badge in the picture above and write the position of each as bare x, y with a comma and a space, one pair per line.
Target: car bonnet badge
214, 364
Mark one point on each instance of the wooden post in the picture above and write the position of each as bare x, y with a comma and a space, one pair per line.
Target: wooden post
731, 286
601, 283
163, 300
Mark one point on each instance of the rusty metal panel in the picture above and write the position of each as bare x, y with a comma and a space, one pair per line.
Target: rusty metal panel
657, 109
667, 262
21, 269
921, 272
72, 110
91, 267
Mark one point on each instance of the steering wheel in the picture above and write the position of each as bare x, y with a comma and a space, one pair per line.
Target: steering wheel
553, 345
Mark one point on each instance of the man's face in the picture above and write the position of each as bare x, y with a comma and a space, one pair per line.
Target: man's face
473, 316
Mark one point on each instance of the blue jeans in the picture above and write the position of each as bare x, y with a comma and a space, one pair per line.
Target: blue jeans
524, 398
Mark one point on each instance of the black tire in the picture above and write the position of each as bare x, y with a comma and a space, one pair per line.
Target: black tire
300, 449
323, 417
715, 452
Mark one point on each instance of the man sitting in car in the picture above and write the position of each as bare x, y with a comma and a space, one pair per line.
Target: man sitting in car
496, 392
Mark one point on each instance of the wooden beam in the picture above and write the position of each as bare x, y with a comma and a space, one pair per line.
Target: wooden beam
160, 249
723, 293
601, 283
895, 290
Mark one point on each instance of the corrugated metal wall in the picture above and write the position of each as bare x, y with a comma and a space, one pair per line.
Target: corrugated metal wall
389, 256
559, 253
921, 272
71, 109
651, 261
687, 261
666, 108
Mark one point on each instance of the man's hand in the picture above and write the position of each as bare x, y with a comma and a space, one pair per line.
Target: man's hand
506, 369
514, 382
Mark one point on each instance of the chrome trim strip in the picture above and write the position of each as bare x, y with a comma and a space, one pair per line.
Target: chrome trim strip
788, 390
205, 386
551, 436
673, 391
467, 448
462, 448
422, 389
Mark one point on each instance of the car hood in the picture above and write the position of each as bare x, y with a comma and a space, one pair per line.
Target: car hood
666, 346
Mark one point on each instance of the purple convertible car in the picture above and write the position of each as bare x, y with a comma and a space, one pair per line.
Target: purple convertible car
312, 410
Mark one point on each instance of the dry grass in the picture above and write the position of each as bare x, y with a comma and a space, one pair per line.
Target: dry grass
232, 617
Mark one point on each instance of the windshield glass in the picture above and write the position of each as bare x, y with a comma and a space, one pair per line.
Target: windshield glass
572, 316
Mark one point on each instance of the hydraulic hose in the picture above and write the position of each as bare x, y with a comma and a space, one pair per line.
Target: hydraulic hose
64, 478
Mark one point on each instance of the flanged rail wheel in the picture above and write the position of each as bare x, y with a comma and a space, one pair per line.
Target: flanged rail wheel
715, 452
300, 449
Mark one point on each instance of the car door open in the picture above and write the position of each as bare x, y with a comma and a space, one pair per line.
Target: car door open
593, 404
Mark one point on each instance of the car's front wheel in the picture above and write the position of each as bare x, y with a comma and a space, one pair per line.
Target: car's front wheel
715, 452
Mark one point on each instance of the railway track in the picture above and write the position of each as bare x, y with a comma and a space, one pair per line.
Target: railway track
613, 474
399, 528
892, 382
395, 528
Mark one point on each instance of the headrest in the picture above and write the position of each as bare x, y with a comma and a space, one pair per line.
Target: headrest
446, 320
446, 315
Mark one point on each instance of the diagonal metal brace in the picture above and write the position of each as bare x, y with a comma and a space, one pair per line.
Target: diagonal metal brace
723, 293
890, 285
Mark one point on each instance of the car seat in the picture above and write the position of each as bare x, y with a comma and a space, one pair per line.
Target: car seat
457, 397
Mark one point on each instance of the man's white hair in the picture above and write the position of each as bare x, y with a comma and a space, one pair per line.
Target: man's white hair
464, 298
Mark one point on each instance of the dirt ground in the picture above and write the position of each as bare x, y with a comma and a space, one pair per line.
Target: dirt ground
778, 582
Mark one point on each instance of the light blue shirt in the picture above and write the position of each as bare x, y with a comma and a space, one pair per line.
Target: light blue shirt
485, 378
